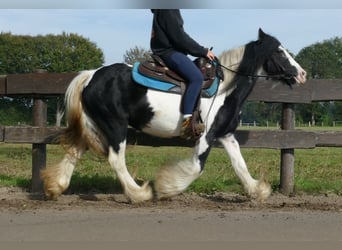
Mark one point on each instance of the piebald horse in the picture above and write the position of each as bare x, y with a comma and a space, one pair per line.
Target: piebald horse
102, 103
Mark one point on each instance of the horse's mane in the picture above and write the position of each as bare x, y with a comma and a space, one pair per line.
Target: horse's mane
246, 59
231, 59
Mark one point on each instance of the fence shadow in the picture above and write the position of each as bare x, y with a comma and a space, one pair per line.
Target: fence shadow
86, 187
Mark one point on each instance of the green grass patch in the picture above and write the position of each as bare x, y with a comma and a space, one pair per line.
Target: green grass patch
316, 170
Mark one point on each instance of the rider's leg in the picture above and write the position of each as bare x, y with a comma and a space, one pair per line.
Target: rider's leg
185, 67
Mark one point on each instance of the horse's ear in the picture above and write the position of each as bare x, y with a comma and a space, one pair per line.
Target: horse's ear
261, 34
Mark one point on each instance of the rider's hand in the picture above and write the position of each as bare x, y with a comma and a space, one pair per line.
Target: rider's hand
210, 55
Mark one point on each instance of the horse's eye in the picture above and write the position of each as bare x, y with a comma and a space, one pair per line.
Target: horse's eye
281, 53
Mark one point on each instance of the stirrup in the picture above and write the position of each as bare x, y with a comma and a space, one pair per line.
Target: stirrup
190, 129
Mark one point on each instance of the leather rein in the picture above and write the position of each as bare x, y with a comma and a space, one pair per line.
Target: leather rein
252, 76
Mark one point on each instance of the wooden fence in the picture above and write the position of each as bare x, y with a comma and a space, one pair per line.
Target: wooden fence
41, 86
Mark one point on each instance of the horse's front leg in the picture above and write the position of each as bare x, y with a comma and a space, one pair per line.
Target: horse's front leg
174, 179
256, 189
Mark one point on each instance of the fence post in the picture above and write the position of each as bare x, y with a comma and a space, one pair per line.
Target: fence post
38, 149
287, 155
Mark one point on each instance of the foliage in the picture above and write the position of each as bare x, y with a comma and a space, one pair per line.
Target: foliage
322, 60
262, 113
136, 54
15, 111
53, 53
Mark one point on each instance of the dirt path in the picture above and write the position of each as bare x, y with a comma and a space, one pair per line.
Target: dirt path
189, 217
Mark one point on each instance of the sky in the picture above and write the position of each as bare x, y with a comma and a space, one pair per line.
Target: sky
117, 26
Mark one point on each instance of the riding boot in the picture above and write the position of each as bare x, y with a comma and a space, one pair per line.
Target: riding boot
191, 129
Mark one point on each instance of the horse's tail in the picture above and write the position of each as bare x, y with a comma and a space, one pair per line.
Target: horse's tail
72, 135
57, 177
79, 127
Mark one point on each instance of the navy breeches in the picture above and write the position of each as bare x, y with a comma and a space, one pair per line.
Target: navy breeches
186, 68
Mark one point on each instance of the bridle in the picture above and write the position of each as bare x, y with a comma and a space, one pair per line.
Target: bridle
252, 76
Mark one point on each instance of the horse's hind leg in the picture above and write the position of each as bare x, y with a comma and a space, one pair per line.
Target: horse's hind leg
132, 190
257, 189
57, 178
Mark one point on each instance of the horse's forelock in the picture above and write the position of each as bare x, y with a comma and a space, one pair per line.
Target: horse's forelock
267, 45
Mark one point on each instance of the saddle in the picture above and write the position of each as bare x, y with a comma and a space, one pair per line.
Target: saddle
157, 69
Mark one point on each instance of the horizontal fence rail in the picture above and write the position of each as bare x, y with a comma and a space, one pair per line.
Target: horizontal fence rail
273, 139
40, 86
54, 84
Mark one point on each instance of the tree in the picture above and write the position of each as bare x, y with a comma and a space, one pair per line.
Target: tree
321, 60
262, 113
67, 52
53, 53
16, 54
15, 111
338, 111
136, 54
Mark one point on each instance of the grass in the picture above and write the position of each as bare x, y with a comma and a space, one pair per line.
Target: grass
316, 170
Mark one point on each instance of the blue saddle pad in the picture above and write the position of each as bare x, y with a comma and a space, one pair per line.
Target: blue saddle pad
167, 86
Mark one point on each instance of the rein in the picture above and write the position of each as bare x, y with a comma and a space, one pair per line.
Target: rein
253, 76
